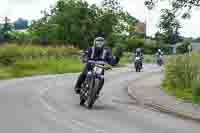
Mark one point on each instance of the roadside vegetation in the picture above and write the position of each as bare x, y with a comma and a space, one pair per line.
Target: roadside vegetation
20, 61
28, 60
128, 59
182, 77
65, 24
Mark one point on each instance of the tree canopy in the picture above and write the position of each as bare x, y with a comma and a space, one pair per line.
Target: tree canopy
170, 25
76, 22
184, 6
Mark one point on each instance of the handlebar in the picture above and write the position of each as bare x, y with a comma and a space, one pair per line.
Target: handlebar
97, 62
101, 64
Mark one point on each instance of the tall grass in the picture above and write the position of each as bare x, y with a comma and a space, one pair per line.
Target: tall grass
20, 61
14, 51
182, 76
42, 66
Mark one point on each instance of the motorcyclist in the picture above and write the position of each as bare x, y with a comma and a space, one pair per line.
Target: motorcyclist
138, 53
159, 52
97, 52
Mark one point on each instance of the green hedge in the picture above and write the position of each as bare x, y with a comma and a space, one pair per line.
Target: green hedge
148, 47
127, 58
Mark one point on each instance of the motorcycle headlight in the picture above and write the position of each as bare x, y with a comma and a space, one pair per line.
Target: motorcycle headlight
89, 73
137, 58
98, 70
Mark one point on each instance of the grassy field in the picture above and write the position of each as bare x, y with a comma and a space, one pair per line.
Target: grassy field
21, 61
182, 77
23, 68
29, 60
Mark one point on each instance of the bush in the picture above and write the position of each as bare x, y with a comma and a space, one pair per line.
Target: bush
196, 91
196, 87
148, 47
62, 51
31, 51
21, 37
182, 76
9, 53
132, 44
118, 51
41, 66
29, 60
183, 48
127, 58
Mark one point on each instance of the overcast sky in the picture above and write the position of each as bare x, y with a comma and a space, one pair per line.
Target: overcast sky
30, 9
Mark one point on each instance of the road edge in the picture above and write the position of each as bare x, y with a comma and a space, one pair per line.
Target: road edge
156, 106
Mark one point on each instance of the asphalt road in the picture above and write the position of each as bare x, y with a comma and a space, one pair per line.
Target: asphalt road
47, 104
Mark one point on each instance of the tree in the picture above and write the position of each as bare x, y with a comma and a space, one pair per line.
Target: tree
75, 22
43, 32
177, 5
114, 22
160, 38
6, 29
170, 25
183, 47
68, 21
120, 21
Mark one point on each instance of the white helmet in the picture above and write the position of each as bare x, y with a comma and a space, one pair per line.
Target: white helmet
138, 50
159, 50
99, 42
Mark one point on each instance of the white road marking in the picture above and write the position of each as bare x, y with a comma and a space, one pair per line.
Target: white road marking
53, 117
47, 106
64, 123
43, 91
84, 125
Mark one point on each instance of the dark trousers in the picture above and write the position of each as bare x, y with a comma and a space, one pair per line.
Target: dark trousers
82, 76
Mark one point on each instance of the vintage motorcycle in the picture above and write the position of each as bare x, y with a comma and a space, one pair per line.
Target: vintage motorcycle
90, 87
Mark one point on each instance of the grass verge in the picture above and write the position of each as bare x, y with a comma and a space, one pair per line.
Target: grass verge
182, 77
23, 68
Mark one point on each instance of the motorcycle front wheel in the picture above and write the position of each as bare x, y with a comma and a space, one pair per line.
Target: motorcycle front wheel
92, 94
82, 101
